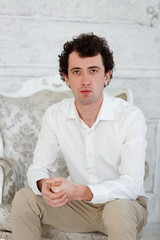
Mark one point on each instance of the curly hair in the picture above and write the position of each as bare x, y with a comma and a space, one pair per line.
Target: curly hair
87, 45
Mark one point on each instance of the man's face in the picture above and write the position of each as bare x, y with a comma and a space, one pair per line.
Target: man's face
86, 78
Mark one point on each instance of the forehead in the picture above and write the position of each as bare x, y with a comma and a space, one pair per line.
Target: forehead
76, 61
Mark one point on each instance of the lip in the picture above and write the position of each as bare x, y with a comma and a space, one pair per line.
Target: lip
85, 91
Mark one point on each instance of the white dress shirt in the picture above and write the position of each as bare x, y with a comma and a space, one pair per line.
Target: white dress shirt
109, 157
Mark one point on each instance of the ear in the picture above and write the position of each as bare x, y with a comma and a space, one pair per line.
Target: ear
66, 79
107, 77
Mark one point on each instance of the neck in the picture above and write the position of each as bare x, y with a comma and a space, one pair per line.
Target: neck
88, 113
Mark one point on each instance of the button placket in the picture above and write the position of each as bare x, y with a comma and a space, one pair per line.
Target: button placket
90, 156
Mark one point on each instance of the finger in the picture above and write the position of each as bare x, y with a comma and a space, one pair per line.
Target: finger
50, 180
53, 186
61, 204
48, 185
57, 202
56, 184
46, 188
57, 205
55, 179
52, 196
55, 189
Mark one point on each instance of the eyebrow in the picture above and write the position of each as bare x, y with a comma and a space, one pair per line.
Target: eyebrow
74, 68
94, 67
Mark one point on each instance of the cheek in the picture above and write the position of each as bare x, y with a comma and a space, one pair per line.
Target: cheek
75, 83
73, 87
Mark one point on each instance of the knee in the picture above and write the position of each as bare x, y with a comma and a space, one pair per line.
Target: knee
119, 219
117, 213
21, 196
26, 203
20, 201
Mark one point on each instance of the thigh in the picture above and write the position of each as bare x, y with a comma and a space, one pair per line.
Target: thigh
76, 216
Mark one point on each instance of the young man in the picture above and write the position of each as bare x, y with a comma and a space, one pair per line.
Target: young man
103, 141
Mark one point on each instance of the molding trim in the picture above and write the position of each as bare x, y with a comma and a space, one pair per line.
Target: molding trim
90, 20
137, 72
153, 157
152, 13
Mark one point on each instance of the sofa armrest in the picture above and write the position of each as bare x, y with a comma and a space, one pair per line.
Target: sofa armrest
1, 146
1, 183
9, 177
146, 170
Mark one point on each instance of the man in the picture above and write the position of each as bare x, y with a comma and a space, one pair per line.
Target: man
103, 141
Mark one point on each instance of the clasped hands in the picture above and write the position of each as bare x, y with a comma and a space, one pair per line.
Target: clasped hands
58, 191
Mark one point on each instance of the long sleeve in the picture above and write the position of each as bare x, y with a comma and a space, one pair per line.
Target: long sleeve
46, 152
131, 169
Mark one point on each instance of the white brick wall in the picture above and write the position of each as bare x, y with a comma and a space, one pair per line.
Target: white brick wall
32, 33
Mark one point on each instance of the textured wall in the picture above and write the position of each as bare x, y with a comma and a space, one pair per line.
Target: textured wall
32, 34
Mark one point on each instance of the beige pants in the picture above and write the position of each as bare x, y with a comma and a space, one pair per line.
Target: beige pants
119, 219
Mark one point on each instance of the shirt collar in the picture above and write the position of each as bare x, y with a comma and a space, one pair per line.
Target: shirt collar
72, 113
106, 111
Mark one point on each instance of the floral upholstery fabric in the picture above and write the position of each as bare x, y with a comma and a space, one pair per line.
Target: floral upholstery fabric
20, 120
63, 236
10, 179
59, 235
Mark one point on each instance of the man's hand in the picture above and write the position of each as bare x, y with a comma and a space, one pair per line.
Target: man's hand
53, 199
58, 191
73, 191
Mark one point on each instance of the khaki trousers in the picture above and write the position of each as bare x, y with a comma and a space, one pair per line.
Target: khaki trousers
120, 219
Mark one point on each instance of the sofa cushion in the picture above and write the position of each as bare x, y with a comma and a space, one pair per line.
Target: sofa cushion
20, 120
48, 232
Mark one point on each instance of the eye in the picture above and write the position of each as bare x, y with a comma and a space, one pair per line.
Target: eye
76, 72
93, 70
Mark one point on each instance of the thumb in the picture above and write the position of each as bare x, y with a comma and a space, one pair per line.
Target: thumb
55, 187
56, 183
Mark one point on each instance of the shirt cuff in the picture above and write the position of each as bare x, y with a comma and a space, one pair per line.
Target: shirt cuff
98, 191
32, 181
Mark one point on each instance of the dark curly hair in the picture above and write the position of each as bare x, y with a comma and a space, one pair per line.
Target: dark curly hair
87, 45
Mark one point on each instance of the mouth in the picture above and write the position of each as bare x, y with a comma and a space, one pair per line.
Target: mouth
85, 91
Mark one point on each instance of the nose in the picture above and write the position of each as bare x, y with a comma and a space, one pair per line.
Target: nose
86, 79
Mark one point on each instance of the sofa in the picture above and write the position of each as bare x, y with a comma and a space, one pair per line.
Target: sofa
20, 120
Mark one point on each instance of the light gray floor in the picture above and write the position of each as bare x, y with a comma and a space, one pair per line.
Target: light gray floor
151, 236
151, 232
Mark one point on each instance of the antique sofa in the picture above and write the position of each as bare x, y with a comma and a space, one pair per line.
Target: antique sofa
20, 120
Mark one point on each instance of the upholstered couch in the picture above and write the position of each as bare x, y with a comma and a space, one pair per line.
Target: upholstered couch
20, 120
